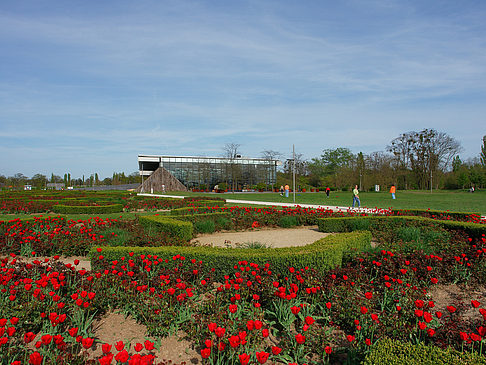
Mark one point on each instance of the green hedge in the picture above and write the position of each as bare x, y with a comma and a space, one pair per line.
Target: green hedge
173, 227
87, 209
324, 254
436, 213
387, 351
203, 198
391, 223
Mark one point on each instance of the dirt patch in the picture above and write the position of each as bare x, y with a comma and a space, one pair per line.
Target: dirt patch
114, 327
271, 237
453, 294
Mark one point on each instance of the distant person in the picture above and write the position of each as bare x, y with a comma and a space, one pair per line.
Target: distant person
328, 191
356, 196
163, 188
392, 191
281, 190
472, 189
287, 188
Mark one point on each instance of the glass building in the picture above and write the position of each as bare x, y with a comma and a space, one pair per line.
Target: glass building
206, 172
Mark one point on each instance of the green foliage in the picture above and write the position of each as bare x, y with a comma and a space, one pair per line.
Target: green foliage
288, 221
324, 254
87, 209
172, 227
388, 351
435, 213
205, 226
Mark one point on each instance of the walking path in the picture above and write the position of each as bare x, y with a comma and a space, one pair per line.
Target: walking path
311, 206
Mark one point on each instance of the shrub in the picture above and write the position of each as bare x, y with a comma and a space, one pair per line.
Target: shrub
288, 221
174, 228
87, 209
205, 226
388, 351
324, 254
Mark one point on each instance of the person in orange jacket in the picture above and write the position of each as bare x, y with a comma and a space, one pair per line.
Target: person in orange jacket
392, 191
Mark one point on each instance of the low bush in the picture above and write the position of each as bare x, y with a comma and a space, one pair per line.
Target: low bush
205, 226
388, 351
437, 214
220, 220
87, 209
288, 221
324, 254
173, 227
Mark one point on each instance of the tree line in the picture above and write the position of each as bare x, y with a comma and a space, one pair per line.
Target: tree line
427, 159
414, 160
40, 181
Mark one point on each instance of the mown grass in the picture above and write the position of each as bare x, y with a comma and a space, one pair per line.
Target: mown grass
458, 201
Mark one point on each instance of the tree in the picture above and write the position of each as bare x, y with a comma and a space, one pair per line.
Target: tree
39, 181
233, 171
482, 156
426, 153
332, 162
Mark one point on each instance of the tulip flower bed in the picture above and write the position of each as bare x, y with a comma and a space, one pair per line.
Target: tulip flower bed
252, 316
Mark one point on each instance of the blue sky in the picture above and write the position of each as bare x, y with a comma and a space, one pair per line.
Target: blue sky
86, 86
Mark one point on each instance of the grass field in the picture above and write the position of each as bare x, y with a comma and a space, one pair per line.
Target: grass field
457, 201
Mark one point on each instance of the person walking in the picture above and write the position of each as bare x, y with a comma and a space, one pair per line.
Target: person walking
356, 196
392, 191
281, 190
287, 188
328, 191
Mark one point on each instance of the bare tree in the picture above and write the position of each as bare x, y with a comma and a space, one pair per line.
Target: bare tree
231, 152
425, 153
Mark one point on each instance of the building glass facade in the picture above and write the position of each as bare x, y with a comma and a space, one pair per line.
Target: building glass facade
200, 172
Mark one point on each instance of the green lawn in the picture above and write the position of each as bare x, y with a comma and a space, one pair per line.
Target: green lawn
458, 201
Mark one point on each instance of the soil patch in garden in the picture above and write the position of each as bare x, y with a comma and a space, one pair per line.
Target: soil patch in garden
271, 237
114, 327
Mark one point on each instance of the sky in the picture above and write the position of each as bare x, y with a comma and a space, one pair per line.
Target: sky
87, 86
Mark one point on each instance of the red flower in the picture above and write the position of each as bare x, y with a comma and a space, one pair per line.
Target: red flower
262, 357
309, 320
482, 331
258, 324
422, 325
233, 308
138, 347
475, 303
35, 358
212, 326
244, 359
431, 332
438, 314
149, 345
122, 356
87, 342
419, 303
368, 342
300, 338
119, 345
364, 310
295, 310
265, 332
234, 341
350, 338
73, 331
250, 325
368, 295
276, 350
451, 308
328, 350
205, 353
106, 348
29, 337
220, 331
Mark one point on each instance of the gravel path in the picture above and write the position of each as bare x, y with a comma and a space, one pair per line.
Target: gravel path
274, 237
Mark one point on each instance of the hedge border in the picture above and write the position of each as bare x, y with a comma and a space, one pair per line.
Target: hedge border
173, 227
350, 224
87, 209
387, 351
324, 254
418, 212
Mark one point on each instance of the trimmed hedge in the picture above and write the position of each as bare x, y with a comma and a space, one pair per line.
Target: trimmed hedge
203, 198
387, 351
440, 214
379, 223
322, 255
87, 209
173, 227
